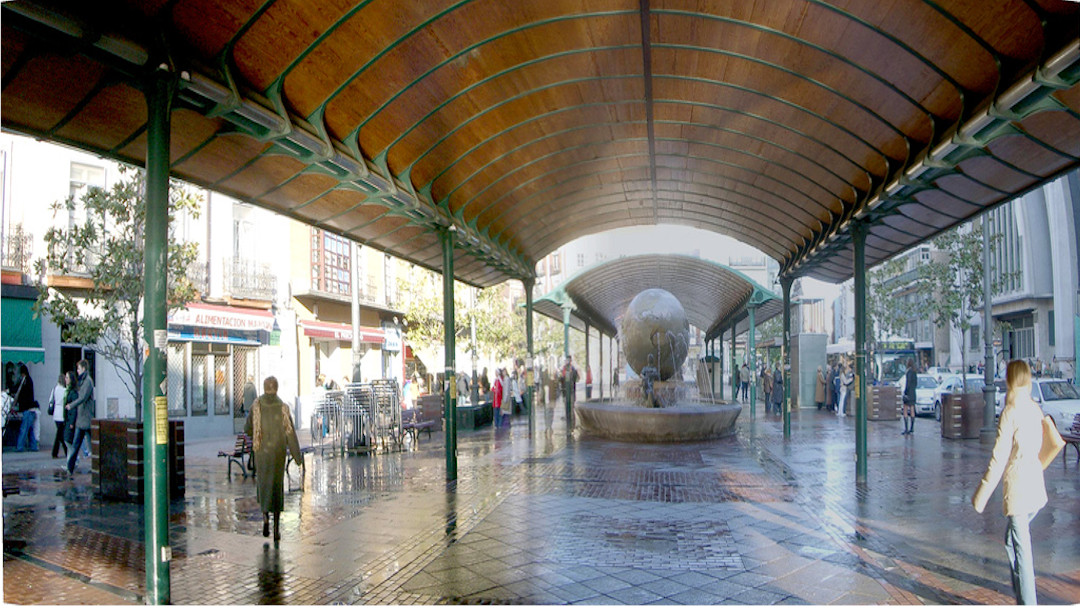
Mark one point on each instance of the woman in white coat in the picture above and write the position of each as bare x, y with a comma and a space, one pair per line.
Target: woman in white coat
1016, 460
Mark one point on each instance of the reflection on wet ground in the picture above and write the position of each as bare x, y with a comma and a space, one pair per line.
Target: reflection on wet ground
751, 519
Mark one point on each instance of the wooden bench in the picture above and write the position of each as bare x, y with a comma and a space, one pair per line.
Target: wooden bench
241, 456
412, 425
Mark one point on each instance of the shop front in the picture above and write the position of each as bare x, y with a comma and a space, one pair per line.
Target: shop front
213, 354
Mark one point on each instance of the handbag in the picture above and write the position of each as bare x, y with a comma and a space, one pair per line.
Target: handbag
1051, 443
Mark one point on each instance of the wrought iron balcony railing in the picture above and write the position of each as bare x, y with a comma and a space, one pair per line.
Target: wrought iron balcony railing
18, 250
249, 279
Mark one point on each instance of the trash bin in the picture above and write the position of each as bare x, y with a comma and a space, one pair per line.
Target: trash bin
961, 415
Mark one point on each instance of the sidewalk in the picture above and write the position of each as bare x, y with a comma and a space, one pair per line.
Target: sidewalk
747, 520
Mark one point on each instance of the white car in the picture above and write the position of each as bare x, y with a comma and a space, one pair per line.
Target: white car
924, 392
955, 384
1059, 400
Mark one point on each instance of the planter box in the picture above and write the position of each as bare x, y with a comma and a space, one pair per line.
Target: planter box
961, 415
885, 402
117, 465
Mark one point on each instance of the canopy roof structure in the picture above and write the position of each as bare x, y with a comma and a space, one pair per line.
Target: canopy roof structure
526, 124
714, 296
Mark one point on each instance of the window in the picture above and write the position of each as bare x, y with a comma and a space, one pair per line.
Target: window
556, 263
975, 337
84, 177
330, 263
580, 260
924, 254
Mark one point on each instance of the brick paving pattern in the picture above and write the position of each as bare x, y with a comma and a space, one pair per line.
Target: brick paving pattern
752, 519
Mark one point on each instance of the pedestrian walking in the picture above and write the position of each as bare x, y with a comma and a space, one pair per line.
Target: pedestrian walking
588, 381
517, 387
778, 390
496, 403
28, 406
83, 405
819, 389
846, 380
507, 399
72, 383
744, 381
569, 377
1015, 459
57, 410
250, 395
766, 387
911, 383
272, 433
830, 393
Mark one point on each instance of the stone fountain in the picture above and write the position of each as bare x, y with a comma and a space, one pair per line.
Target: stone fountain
655, 340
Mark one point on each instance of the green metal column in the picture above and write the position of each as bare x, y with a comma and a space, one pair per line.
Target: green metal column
530, 369
858, 234
751, 354
734, 367
585, 368
720, 360
155, 409
710, 352
599, 376
450, 388
785, 284
566, 353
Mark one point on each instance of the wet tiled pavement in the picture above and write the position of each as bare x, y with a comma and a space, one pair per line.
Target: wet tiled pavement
752, 519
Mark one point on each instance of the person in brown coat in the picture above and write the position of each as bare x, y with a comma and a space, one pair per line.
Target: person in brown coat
272, 433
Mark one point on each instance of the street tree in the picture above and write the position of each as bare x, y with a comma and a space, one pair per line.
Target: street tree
953, 285
887, 310
105, 245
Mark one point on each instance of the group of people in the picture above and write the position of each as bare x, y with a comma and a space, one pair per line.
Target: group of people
772, 384
832, 391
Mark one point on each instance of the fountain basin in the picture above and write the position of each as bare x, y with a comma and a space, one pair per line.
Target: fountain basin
684, 422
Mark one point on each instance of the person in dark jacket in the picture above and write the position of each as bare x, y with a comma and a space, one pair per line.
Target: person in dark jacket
25, 403
83, 406
911, 382
273, 437
778, 391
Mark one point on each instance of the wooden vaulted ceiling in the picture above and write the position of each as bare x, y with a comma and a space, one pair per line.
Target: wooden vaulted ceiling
714, 296
528, 123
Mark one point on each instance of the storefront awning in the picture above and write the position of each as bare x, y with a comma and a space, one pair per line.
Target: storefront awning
340, 332
198, 322
21, 334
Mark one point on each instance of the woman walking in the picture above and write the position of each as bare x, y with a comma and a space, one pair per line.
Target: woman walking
1015, 459
57, 400
272, 433
819, 389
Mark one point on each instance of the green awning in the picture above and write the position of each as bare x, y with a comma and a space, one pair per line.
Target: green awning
20, 337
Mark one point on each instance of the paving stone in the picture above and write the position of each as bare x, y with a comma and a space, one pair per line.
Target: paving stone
754, 518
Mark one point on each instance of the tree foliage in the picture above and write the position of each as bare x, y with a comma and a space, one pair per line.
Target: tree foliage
105, 245
499, 321
887, 312
953, 286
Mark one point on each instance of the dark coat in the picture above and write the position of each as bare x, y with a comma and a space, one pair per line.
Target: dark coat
84, 404
275, 436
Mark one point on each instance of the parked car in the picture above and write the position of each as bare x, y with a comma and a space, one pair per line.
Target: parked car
1059, 400
939, 373
955, 384
924, 393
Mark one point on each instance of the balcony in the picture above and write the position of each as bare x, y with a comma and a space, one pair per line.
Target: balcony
249, 280
18, 251
197, 273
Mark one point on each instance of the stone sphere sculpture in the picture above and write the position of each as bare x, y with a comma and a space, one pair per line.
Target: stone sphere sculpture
655, 334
